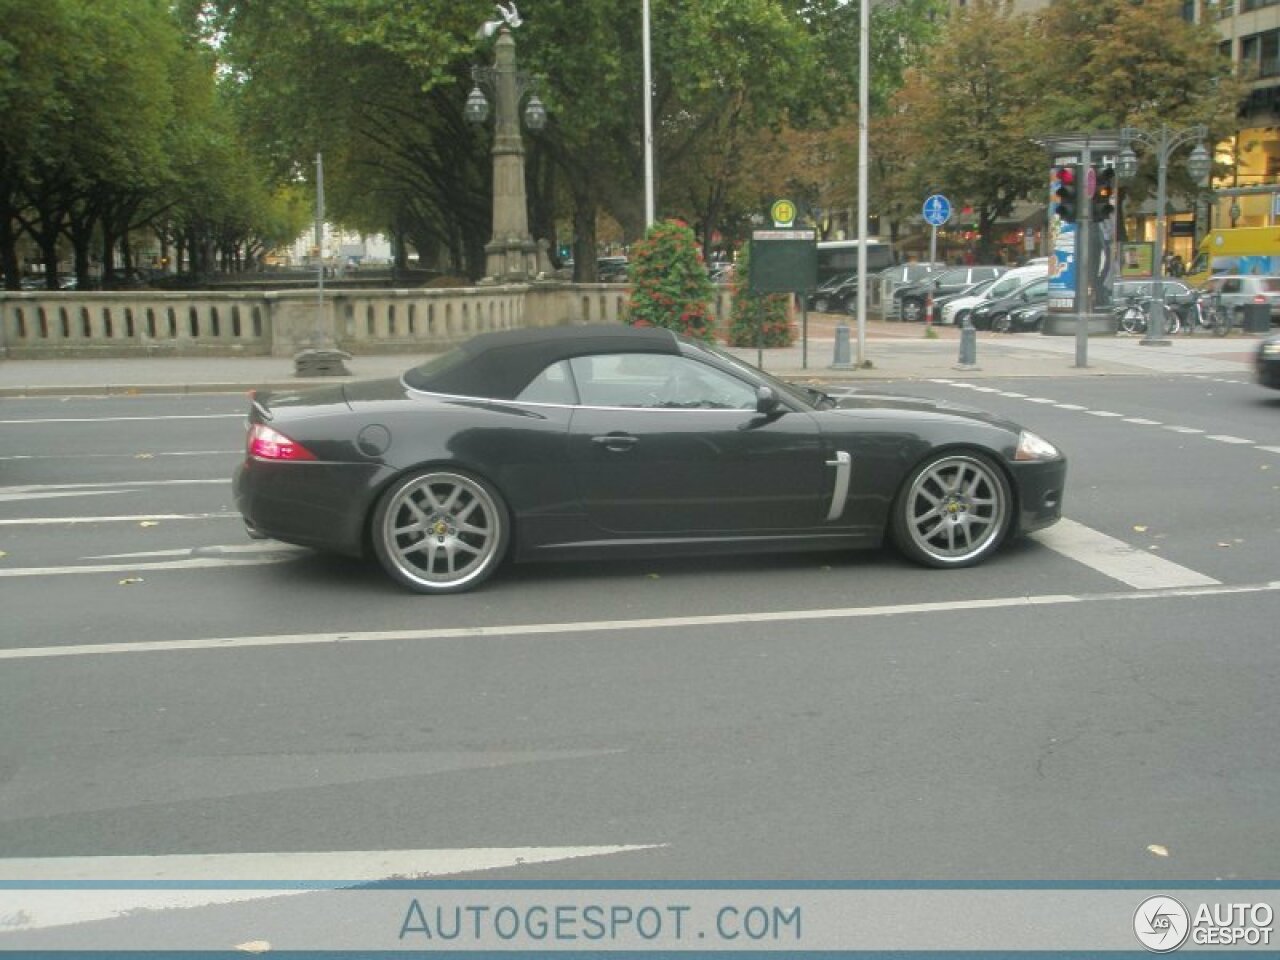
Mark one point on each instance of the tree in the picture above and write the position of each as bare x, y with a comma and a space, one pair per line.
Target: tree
973, 101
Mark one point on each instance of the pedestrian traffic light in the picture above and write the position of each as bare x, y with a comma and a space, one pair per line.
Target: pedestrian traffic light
1104, 197
1064, 193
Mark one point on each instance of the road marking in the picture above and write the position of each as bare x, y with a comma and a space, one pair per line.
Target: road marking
212, 550
1070, 406
135, 518
1270, 449
1103, 413
118, 886
512, 632
1117, 559
1143, 421
183, 416
1040, 400
55, 494
114, 485
1226, 438
1177, 429
144, 454
192, 563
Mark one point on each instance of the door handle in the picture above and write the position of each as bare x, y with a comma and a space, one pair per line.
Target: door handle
617, 442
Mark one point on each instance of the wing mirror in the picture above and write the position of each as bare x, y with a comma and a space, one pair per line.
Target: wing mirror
766, 400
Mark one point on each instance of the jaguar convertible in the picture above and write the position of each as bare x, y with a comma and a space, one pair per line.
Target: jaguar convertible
589, 442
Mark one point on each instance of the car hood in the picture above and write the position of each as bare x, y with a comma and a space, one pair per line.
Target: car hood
895, 404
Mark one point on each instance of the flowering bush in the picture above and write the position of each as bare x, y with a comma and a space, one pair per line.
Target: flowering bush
757, 319
669, 285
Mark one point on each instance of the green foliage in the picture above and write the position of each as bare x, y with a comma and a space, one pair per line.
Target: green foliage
757, 320
669, 284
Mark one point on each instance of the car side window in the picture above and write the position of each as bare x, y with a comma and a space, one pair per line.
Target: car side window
552, 385
658, 381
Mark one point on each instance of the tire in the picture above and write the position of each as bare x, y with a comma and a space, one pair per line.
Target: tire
1221, 326
1172, 322
440, 531
1001, 323
912, 310
1133, 320
954, 510
822, 305
959, 318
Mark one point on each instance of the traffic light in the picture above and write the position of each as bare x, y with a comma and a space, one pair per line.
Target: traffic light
1104, 196
1065, 193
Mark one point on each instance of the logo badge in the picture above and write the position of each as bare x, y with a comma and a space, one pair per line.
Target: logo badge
1161, 924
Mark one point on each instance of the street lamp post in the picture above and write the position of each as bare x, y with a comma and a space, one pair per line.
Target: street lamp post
511, 255
1163, 141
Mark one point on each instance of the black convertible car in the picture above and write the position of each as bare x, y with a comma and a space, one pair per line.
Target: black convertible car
588, 442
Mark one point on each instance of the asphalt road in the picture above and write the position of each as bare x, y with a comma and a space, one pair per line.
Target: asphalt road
1096, 703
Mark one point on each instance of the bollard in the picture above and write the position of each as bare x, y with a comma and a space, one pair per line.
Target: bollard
968, 347
842, 357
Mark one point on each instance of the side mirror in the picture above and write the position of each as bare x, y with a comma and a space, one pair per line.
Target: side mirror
766, 400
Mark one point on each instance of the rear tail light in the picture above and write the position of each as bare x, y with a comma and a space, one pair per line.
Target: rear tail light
1259, 298
267, 444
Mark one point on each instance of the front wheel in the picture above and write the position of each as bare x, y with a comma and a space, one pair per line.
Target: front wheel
1001, 323
440, 531
912, 309
1221, 323
1133, 320
953, 510
822, 305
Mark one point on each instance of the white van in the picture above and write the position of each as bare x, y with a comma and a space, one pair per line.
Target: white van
956, 310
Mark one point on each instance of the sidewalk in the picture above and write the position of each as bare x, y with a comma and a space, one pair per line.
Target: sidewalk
894, 351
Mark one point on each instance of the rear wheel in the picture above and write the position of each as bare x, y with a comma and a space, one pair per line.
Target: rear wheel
953, 510
1001, 323
912, 309
1132, 320
440, 531
822, 305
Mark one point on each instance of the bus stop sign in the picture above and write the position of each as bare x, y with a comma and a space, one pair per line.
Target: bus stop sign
784, 261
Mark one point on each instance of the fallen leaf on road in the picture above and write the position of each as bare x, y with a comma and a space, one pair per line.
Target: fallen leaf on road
3, 554
1141, 528
254, 946
149, 523
654, 576
1223, 543
128, 580
144, 456
1160, 850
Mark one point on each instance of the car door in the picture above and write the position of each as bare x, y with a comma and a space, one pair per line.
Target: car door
666, 445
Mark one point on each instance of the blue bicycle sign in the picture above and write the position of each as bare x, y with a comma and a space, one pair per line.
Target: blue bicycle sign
937, 210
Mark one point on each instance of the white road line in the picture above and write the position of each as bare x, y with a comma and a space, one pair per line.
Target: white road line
1143, 421
1040, 400
1010, 393
1070, 406
518, 632
184, 416
1117, 559
1226, 438
1103, 413
55, 494
141, 455
208, 551
1270, 449
113, 485
133, 518
1177, 429
292, 873
192, 563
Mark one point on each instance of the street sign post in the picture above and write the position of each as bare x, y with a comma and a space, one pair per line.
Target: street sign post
937, 211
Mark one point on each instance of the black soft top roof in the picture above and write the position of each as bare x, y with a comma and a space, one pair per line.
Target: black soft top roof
499, 365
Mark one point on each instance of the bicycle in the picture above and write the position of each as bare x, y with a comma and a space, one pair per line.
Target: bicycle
1132, 317
1202, 312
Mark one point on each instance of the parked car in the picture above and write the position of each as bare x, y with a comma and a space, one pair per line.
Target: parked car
1235, 291
1005, 284
900, 275
973, 290
1269, 362
612, 269
914, 296
994, 314
1030, 317
590, 442
833, 293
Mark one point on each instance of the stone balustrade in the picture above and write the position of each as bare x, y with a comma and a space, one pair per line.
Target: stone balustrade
280, 323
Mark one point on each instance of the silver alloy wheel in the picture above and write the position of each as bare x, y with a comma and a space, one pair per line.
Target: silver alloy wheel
1002, 323
440, 531
912, 309
954, 511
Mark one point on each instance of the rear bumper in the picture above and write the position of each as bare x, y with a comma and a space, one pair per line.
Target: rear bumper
321, 505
